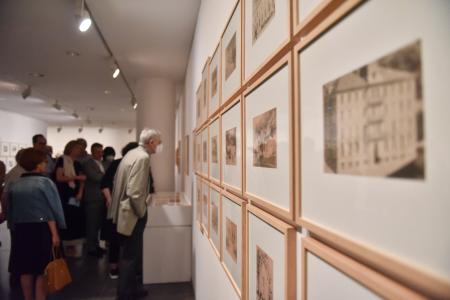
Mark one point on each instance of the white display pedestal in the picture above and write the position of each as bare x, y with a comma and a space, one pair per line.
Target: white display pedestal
168, 239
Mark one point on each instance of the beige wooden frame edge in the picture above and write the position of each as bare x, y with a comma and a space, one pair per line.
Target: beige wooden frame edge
217, 252
289, 233
362, 274
198, 119
217, 50
225, 109
243, 204
205, 74
399, 271
287, 215
217, 118
271, 56
199, 184
206, 226
314, 15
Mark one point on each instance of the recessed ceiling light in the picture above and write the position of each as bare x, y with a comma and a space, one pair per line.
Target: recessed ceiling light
107, 92
36, 74
72, 53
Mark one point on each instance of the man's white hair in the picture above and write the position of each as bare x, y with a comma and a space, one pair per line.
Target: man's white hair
147, 134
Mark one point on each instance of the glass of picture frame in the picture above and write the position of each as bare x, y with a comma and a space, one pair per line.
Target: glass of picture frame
271, 257
231, 48
215, 74
186, 154
267, 29
199, 104
205, 207
198, 202
205, 152
362, 180
231, 119
215, 219
5, 148
198, 153
344, 277
234, 240
268, 141
214, 151
205, 91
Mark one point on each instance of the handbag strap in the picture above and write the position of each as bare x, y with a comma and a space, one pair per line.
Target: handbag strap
56, 251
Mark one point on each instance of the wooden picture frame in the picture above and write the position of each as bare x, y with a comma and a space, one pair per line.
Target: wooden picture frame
271, 96
234, 257
231, 49
198, 202
205, 152
205, 207
186, 154
359, 279
215, 81
215, 155
199, 105
272, 246
5, 148
417, 262
205, 91
264, 34
232, 159
215, 203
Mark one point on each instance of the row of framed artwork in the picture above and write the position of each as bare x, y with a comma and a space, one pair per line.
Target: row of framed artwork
8, 151
266, 258
331, 141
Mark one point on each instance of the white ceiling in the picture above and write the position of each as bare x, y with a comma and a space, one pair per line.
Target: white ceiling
147, 37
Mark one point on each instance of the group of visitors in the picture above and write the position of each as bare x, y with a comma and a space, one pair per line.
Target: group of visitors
78, 198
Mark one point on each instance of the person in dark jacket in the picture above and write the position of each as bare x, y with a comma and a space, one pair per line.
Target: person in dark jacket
34, 216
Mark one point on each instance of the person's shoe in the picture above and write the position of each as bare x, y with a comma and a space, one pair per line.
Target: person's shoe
114, 273
142, 293
101, 250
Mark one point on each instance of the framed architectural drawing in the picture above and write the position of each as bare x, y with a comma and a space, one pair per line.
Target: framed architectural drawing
373, 136
268, 142
214, 151
266, 30
204, 146
234, 240
271, 257
205, 207
343, 277
5, 148
13, 149
186, 154
215, 219
10, 163
198, 202
205, 91
199, 105
232, 147
231, 55
215, 81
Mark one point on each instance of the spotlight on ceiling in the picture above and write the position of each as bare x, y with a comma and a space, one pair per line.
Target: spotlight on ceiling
100, 130
57, 106
85, 20
116, 72
26, 92
134, 103
130, 130
75, 115
59, 129
80, 129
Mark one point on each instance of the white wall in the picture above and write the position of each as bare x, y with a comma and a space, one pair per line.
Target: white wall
209, 279
114, 137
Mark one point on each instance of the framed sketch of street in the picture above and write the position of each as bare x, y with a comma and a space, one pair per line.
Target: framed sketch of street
198, 202
233, 238
231, 75
215, 221
271, 257
205, 153
268, 141
205, 207
372, 134
215, 73
214, 155
232, 147
267, 29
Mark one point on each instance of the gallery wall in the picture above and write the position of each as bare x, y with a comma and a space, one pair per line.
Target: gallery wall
333, 145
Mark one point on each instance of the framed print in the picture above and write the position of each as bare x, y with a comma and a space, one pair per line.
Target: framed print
186, 154
266, 30
231, 55
215, 219
232, 147
205, 138
198, 202
234, 240
271, 257
343, 277
5, 148
214, 149
14, 148
205, 91
10, 163
268, 153
373, 136
199, 153
205, 207
215, 81
199, 104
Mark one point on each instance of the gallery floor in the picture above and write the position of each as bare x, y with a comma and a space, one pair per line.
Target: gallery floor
90, 280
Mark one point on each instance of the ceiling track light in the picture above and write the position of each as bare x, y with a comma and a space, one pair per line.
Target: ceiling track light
100, 130
57, 106
26, 92
80, 129
59, 129
130, 131
134, 103
75, 115
116, 72
85, 20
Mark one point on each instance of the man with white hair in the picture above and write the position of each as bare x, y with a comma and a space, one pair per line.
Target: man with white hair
132, 185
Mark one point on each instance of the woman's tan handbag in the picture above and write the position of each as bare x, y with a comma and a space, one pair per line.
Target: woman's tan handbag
57, 273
